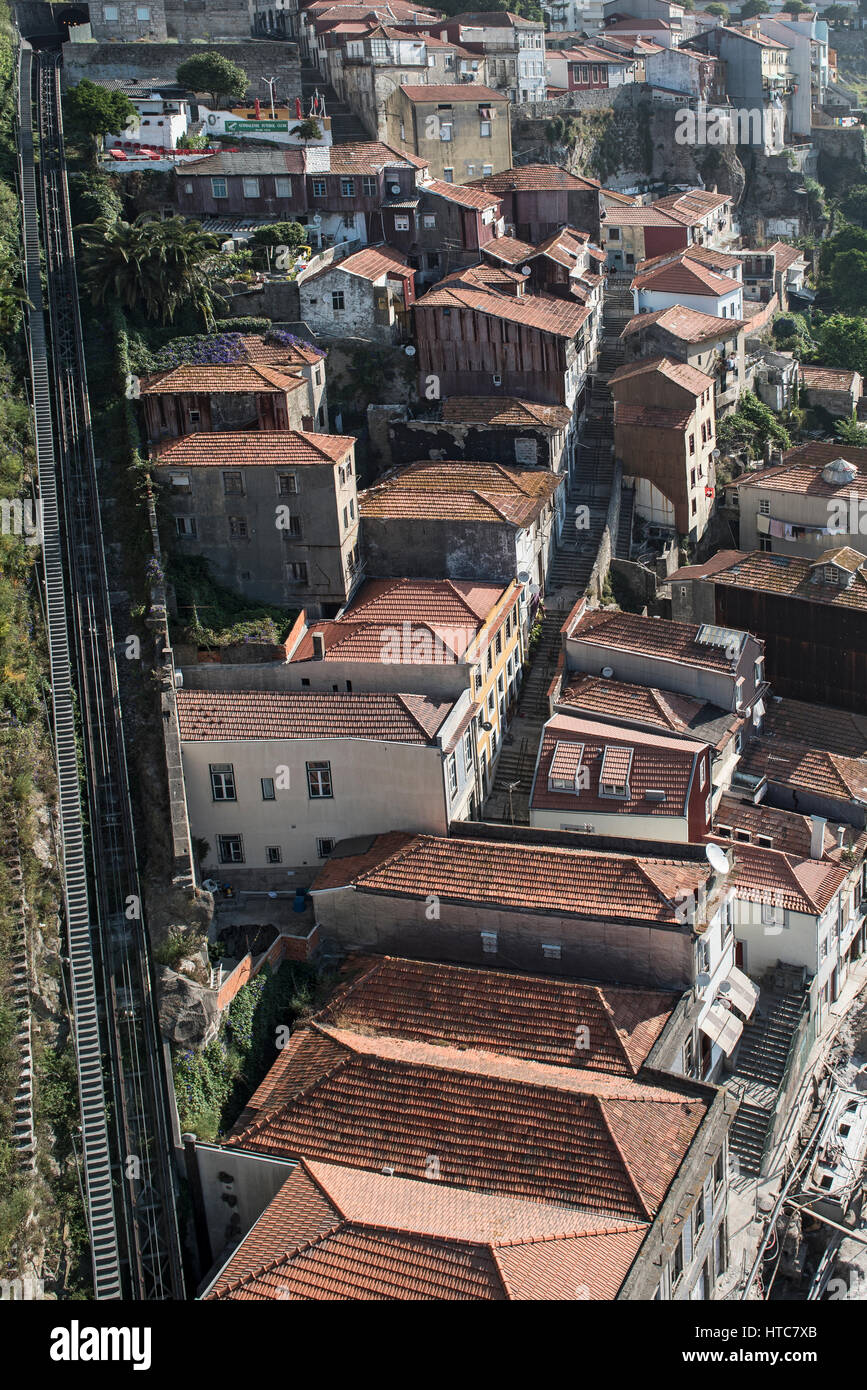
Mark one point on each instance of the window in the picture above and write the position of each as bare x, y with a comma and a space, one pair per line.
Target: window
677, 1263
453, 774
445, 130
585, 72
294, 527
251, 188
319, 188
233, 484
319, 781
347, 188
613, 233
489, 942
429, 221
222, 782
142, 13
297, 572
702, 774
401, 222
692, 443
765, 506
180, 482
110, 14
468, 749
368, 186
338, 300
238, 527
719, 1172
268, 793
551, 950
219, 188
283, 188
485, 130
487, 170
287, 484
448, 175
498, 643
274, 854
595, 74
689, 1055
230, 849
324, 847
186, 526
194, 416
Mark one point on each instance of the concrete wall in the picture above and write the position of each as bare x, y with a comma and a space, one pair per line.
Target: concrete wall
101, 61
235, 1188
624, 952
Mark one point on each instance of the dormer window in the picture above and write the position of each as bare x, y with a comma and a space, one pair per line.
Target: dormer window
614, 772
565, 773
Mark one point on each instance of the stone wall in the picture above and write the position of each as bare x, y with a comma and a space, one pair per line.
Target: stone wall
260, 58
602, 563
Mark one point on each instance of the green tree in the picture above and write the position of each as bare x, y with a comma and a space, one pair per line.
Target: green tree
158, 266
308, 130
752, 8
837, 14
219, 77
751, 427
92, 112
855, 204
849, 238
265, 239
721, 11
850, 432
794, 7
849, 281
842, 342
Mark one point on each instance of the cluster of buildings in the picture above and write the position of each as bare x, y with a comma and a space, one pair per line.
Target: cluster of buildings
521, 1087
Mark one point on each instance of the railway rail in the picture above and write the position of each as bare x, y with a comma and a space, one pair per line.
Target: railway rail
126, 1130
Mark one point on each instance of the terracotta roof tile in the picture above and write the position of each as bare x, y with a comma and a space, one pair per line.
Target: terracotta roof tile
253, 449
646, 762
649, 636
460, 490
248, 714
814, 769
687, 324
786, 880
457, 91
504, 411
556, 316
801, 471
690, 207
534, 1017
606, 1144
364, 157
685, 276
785, 830
793, 577
222, 378
658, 417
566, 882
827, 378
509, 249
442, 601
461, 193
372, 263
531, 177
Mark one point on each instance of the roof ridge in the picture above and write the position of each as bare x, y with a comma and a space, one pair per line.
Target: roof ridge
267, 1116
609, 1013
268, 1266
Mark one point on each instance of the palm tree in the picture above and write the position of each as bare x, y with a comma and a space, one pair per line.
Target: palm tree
158, 266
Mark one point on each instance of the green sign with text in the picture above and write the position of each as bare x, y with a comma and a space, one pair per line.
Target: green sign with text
233, 127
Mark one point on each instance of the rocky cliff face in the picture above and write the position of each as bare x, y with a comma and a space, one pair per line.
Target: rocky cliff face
188, 1012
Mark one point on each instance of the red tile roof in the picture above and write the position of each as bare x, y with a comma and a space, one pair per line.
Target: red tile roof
566, 882
456, 91
534, 1017
688, 324
828, 378
786, 830
461, 491
632, 216
505, 411
820, 726
253, 449
816, 770
228, 715
681, 373
460, 193
337, 1233
650, 416
648, 707
654, 637
607, 1144
795, 577
509, 249
549, 315
364, 157
372, 263
444, 601
648, 762
686, 276
772, 876
532, 177
222, 378
705, 255
801, 472
692, 206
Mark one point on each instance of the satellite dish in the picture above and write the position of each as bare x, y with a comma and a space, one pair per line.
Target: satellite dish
725, 987
607, 672
409, 350
702, 981
523, 577
525, 270
718, 859
394, 188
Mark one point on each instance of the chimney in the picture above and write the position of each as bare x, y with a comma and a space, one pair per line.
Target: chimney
319, 648
841, 836
817, 838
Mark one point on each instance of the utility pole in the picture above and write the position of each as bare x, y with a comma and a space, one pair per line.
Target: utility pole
269, 83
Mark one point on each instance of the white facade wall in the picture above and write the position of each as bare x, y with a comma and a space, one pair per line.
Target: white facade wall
728, 306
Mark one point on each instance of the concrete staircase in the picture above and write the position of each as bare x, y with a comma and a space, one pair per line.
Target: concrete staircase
623, 539
760, 1066
345, 125
23, 1136
517, 759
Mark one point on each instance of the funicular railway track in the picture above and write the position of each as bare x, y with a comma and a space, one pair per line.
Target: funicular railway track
126, 1131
